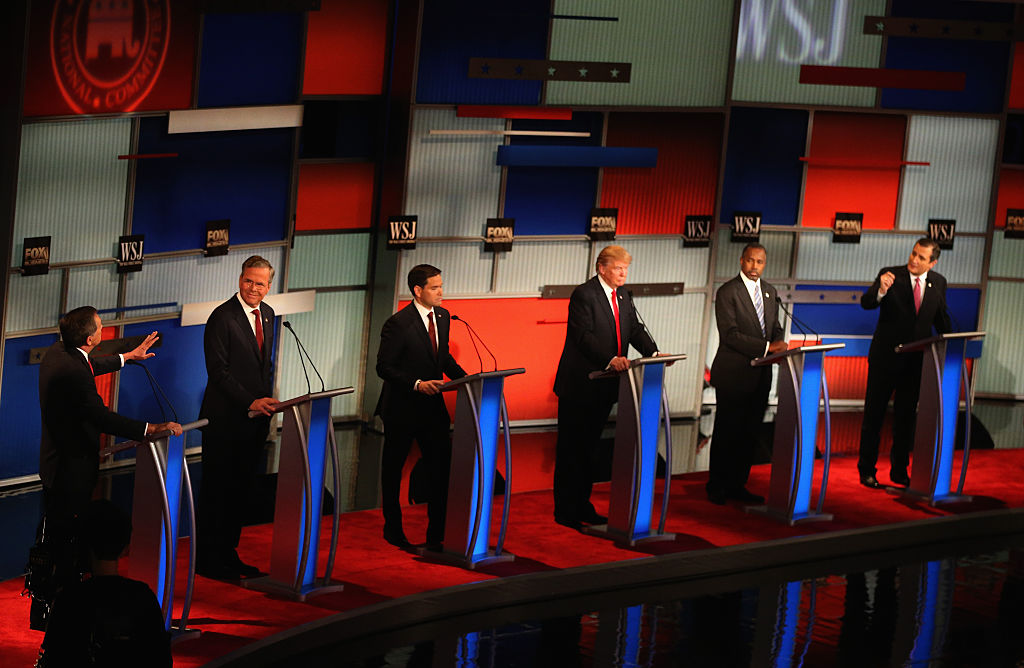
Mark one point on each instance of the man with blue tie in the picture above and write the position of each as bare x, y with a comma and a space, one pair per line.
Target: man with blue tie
746, 309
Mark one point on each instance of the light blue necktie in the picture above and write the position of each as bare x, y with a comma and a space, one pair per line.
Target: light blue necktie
759, 306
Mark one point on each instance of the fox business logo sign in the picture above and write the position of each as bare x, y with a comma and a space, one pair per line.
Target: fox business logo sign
846, 228
401, 232
35, 257
1014, 224
603, 223
499, 234
129, 253
217, 237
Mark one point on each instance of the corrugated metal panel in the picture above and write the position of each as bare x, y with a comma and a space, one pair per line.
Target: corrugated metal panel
454, 183
679, 51
1005, 260
93, 286
666, 261
333, 335
958, 183
33, 301
466, 268
323, 260
822, 260
1001, 367
675, 324
533, 264
688, 455
772, 43
347, 439
778, 246
71, 186
1004, 421
193, 278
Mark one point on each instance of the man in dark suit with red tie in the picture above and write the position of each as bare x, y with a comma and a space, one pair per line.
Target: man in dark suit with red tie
72, 418
911, 300
747, 313
412, 358
602, 325
238, 345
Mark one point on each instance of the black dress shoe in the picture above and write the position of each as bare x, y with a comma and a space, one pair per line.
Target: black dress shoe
900, 478
743, 495
594, 518
248, 570
870, 481
569, 522
433, 546
717, 498
397, 538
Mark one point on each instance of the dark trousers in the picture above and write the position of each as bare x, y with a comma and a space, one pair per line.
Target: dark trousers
579, 430
738, 416
899, 374
231, 461
429, 427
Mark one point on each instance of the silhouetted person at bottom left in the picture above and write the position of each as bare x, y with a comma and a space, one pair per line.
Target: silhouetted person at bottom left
106, 620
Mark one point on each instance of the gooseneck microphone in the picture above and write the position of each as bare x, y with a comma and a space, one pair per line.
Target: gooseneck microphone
802, 326
154, 386
479, 359
302, 349
638, 316
473, 333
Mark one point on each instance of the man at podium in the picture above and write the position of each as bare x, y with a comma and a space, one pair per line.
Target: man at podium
911, 300
602, 325
412, 357
747, 312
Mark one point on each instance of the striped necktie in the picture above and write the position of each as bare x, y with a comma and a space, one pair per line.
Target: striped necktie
759, 307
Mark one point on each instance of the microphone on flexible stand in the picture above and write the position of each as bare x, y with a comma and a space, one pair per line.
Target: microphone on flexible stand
802, 326
493, 358
154, 386
640, 317
479, 359
302, 349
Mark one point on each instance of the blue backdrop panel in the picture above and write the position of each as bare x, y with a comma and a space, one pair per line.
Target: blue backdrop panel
550, 200
576, 156
453, 31
984, 63
582, 121
250, 59
178, 367
19, 407
762, 167
242, 176
853, 319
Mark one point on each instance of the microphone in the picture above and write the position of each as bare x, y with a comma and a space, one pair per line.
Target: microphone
802, 326
473, 331
638, 316
154, 386
952, 318
302, 349
479, 359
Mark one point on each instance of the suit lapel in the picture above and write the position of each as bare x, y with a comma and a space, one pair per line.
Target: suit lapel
245, 332
605, 306
749, 304
420, 331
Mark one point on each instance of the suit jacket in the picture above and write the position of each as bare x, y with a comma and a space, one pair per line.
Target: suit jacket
897, 322
739, 334
237, 373
406, 355
73, 416
590, 341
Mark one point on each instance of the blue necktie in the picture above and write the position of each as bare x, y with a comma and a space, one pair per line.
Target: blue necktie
759, 307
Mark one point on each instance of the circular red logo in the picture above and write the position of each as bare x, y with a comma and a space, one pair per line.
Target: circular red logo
107, 54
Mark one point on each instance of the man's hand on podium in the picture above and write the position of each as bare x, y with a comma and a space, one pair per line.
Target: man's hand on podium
429, 386
619, 363
778, 347
142, 351
173, 427
667, 364
264, 405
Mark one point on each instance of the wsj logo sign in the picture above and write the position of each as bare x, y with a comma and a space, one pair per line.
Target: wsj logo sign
942, 231
847, 227
129, 253
603, 223
499, 234
1014, 224
790, 32
401, 232
697, 233
218, 233
746, 225
35, 258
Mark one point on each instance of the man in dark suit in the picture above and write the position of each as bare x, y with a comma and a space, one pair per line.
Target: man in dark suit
412, 357
746, 309
911, 300
72, 418
238, 344
592, 343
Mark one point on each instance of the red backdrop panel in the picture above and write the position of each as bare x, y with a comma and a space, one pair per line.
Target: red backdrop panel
872, 191
345, 48
1017, 78
96, 58
657, 200
1010, 194
521, 332
334, 196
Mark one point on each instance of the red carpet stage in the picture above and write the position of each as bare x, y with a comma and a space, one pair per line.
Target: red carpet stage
373, 571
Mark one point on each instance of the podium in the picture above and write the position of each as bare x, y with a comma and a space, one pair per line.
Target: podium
801, 387
160, 477
307, 438
943, 374
642, 406
479, 406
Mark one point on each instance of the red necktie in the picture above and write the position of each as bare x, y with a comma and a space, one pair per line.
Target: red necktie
618, 334
259, 329
431, 332
918, 294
